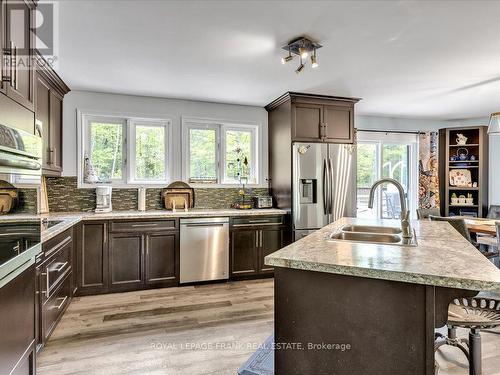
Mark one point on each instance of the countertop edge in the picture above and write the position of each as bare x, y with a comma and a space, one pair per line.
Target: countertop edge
406, 277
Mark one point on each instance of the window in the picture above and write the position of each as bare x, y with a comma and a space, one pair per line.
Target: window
220, 153
381, 155
125, 150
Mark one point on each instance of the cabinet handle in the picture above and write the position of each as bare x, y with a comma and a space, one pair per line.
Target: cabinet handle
47, 282
257, 239
261, 238
62, 303
60, 267
144, 225
12, 78
104, 234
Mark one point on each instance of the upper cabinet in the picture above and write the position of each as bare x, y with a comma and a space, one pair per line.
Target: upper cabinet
315, 118
50, 91
17, 39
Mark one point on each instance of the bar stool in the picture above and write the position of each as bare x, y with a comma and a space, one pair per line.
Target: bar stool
475, 314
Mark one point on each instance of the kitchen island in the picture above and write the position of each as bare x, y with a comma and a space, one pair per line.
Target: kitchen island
345, 307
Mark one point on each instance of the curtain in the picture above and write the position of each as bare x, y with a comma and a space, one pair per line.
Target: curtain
428, 173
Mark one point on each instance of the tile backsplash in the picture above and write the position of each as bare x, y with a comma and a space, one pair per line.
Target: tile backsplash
64, 196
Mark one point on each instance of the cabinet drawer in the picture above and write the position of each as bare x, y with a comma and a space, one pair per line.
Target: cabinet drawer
54, 307
143, 225
55, 244
257, 220
54, 269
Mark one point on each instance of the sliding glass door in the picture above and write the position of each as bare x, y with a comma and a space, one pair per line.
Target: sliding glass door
381, 155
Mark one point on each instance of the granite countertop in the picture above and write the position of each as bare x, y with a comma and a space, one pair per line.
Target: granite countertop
442, 258
68, 219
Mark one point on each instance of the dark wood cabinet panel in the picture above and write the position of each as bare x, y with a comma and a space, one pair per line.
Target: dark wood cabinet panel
17, 324
42, 116
252, 239
92, 253
19, 41
307, 124
244, 243
339, 123
54, 307
162, 259
126, 260
271, 241
56, 132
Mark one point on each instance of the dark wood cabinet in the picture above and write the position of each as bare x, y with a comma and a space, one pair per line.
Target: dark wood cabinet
314, 121
92, 257
162, 259
139, 254
18, 21
271, 240
244, 246
50, 91
126, 261
17, 324
252, 239
54, 273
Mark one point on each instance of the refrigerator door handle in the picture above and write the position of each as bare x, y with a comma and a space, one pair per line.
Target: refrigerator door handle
330, 189
325, 186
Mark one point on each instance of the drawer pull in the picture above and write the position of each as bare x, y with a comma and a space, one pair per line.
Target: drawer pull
62, 303
60, 267
259, 221
144, 225
252, 225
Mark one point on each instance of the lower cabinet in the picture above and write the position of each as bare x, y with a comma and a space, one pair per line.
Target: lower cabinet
92, 257
127, 255
252, 239
54, 281
126, 261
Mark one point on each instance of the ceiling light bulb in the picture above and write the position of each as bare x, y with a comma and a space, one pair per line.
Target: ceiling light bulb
314, 62
303, 53
286, 59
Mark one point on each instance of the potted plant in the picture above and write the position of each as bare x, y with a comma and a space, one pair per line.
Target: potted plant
454, 199
469, 199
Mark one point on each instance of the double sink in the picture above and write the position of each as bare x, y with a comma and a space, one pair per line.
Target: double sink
373, 234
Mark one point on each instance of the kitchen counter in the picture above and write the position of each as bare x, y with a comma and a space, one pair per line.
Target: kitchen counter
442, 258
68, 219
382, 301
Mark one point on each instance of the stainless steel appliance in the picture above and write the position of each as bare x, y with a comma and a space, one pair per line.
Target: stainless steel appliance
204, 249
263, 201
103, 199
20, 152
324, 185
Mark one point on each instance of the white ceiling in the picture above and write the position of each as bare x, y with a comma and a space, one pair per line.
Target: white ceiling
423, 59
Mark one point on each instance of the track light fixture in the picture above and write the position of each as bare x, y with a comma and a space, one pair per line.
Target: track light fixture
301, 47
314, 61
288, 58
301, 66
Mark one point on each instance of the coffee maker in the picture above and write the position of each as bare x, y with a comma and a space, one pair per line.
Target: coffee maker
103, 199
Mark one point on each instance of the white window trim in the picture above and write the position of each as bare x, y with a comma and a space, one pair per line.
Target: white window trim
192, 121
126, 182
254, 169
131, 126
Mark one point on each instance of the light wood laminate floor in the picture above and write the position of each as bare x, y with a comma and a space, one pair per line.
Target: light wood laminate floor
209, 329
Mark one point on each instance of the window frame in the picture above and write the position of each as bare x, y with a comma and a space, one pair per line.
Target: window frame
128, 179
221, 127
132, 124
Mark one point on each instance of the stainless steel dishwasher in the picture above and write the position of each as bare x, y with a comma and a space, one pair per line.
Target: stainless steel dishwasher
204, 253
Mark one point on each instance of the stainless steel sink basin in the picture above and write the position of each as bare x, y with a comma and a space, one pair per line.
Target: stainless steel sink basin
371, 229
373, 234
366, 237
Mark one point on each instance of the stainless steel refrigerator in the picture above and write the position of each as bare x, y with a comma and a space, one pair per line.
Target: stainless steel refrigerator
324, 185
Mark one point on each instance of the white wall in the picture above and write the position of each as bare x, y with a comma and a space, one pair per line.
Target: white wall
172, 109
397, 124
